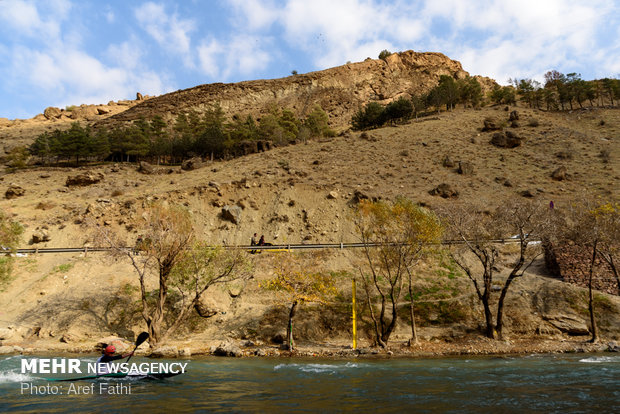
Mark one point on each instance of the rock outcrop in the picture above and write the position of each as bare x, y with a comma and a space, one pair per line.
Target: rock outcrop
84, 179
340, 91
14, 191
506, 139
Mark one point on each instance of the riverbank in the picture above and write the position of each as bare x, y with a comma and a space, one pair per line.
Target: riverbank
245, 348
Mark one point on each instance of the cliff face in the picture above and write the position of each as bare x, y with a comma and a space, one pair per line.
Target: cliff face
340, 91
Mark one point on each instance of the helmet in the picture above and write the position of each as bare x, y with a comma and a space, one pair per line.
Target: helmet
110, 349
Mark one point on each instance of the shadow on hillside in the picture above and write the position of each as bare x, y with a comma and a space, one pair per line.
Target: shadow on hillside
312, 322
88, 313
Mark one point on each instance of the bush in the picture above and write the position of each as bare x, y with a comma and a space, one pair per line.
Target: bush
402, 108
18, 158
384, 54
371, 116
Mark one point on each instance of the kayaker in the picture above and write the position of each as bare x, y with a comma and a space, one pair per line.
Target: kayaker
107, 357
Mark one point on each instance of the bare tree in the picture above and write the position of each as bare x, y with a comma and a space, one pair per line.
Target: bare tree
478, 232
608, 216
530, 221
393, 236
593, 225
168, 252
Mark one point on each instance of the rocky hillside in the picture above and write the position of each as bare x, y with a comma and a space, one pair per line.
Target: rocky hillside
340, 91
22, 132
304, 193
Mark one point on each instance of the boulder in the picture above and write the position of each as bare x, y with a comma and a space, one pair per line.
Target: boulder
52, 112
102, 111
568, 324
332, 195
139, 96
207, 307
514, 116
228, 349
119, 343
447, 162
444, 190
232, 214
491, 124
14, 191
192, 164
68, 338
84, 112
559, 174
145, 168
506, 140
40, 236
465, 168
84, 179
165, 352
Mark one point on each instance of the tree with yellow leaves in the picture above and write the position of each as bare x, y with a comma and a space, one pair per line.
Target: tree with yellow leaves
395, 236
297, 281
10, 235
170, 257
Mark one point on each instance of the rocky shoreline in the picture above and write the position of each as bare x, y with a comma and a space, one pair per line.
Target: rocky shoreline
424, 349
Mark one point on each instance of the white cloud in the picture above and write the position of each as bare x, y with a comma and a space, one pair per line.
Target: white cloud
20, 15
127, 54
256, 14
242, 54
170, 32
24, 18
208, 54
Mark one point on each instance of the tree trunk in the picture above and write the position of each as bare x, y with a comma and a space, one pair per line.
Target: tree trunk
502, 296
414, 334
289, 330
500, 306
591, 297
488, 317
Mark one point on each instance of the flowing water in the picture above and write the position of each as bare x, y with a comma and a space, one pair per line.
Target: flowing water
586, 383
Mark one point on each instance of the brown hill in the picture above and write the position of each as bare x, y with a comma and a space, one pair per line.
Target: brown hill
340, 91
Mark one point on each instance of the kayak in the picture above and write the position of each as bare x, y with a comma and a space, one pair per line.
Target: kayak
120, 375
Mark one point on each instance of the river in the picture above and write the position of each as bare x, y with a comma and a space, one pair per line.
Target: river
575, 383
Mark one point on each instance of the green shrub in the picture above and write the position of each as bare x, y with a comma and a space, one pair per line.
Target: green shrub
371, 116
384, 54
400, 109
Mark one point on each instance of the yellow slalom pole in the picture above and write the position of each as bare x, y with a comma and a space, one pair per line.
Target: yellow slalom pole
354, 319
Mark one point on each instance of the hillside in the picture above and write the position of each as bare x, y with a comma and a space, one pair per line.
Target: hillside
294, 194
340, 91
302, 193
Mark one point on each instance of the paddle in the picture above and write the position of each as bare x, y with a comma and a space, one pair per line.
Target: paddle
139, 341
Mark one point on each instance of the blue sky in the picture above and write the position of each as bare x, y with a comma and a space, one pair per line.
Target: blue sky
66, 52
